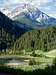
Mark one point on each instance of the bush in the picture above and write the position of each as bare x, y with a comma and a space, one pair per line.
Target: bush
33, 54
32, 62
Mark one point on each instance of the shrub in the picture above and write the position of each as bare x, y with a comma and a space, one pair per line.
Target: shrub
32, 62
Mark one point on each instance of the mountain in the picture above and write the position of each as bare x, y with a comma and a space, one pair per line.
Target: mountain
33, 17
36, 15
13, 10
17, 10
9, 31
30, 16
5, 10
11, 26
22, 21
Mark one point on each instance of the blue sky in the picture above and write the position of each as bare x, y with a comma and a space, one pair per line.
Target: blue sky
47, 6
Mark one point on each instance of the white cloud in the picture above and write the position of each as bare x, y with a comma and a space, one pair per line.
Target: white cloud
7, 2
38, 2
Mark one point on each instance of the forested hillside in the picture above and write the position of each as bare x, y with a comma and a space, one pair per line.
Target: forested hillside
6, 40
9, 32
42, 39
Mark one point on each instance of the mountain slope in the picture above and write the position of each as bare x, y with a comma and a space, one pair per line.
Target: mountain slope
36, 15
11, 26
41, 39
33, 17
9, 31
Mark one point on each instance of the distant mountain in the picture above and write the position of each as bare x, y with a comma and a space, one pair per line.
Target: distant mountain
5, 10
36, 15
13, 10
26, 18
11, 26
32, 17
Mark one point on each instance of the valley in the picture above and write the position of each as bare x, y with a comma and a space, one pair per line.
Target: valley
27, 41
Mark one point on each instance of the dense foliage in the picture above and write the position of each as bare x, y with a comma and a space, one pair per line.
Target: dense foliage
41, 39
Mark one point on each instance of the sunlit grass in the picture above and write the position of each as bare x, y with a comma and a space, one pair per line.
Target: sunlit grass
42, 59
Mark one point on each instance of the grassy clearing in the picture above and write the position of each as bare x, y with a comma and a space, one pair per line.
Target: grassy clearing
42, 59
51, 53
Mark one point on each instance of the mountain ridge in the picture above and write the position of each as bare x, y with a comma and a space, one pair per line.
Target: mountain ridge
36, 16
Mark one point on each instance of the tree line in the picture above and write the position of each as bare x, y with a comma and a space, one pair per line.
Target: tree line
41, 39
